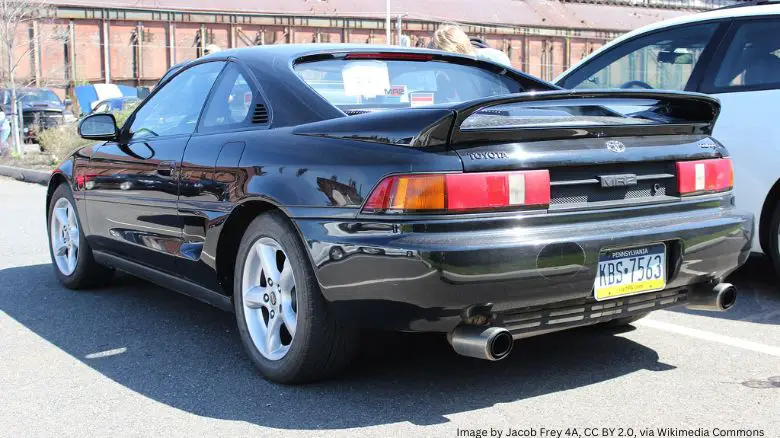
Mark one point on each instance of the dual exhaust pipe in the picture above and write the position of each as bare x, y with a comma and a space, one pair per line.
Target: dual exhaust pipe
482, 342
719, 299
495, 343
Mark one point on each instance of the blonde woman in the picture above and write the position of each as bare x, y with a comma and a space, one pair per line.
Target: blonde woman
452, 38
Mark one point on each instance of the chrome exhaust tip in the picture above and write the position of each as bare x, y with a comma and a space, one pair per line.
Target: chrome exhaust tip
720, 298
489, 343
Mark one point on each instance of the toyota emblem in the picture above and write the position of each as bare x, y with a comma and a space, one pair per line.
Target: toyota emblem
616, 146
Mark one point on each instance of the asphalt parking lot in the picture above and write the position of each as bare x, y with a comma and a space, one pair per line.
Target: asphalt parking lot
137, 360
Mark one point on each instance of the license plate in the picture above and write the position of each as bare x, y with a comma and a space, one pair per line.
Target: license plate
630, 271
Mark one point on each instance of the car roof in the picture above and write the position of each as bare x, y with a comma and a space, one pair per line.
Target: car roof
293, 102
736, 11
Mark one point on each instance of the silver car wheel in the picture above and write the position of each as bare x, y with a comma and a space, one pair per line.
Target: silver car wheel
64, 236
269, 299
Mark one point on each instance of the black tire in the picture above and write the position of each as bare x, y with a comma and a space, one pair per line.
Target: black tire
773, 251
88, 272
321, 346
622, 322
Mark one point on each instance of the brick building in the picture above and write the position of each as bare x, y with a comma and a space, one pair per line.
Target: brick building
133, 42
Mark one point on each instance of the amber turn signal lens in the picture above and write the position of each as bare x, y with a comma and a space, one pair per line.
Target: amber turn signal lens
460, 192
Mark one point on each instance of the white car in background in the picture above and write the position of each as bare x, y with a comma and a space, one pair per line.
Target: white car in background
732, 53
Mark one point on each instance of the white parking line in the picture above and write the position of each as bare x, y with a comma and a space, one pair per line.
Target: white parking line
709, 336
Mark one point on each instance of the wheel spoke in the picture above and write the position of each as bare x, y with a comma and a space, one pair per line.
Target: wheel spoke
253, 298
61, 214
268, 259
289, 316
74, 237
286, 280
71, 259
60, 249
273, 335
69, 213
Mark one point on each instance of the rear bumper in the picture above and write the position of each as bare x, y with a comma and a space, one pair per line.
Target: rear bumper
427, 275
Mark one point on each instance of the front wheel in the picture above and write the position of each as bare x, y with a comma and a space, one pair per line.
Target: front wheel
70, 253
281, 314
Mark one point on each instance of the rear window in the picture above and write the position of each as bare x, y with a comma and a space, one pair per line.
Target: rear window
382, 84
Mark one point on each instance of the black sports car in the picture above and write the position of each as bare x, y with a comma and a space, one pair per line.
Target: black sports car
319, 189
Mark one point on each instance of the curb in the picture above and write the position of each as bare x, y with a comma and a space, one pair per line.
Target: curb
26, 175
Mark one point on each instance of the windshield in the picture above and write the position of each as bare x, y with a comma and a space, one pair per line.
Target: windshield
40, 96
374, 84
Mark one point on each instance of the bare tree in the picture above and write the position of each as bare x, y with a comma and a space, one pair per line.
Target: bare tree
17, 16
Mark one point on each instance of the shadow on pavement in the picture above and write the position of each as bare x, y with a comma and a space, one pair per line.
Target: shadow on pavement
185, 354
759, 294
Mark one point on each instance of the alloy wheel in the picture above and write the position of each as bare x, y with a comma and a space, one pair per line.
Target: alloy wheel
64, 236
269, 298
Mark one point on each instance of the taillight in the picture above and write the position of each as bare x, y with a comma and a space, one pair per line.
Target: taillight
704, 176
460, 192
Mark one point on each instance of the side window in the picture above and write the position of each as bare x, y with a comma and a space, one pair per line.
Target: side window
175, 108
661, 60
230, 103
101, 108
752, 60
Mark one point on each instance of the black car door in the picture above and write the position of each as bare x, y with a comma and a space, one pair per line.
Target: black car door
211, 181
132, 184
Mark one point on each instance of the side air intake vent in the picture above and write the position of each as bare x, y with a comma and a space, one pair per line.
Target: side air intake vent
260, 116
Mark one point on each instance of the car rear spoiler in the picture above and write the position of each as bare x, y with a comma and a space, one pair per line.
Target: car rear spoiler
672, 113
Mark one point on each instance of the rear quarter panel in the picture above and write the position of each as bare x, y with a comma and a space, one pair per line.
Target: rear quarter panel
301, 173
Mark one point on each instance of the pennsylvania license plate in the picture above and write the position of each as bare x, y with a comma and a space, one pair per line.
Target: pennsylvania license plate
630, 271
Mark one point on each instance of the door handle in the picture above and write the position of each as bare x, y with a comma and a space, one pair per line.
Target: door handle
166, 168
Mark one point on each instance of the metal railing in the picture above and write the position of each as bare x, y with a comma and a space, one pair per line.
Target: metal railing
665, 4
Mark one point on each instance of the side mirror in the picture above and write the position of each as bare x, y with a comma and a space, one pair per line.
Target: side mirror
668, 57
101, 126
68, 102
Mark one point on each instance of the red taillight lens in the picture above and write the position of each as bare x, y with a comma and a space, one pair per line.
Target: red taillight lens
704, 176
458, 192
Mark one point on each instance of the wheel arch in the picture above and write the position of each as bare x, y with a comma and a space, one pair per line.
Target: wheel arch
233, 231
767, 210
57, 178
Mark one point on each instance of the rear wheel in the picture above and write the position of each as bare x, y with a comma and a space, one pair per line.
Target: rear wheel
74, 265
281, 315
774, 240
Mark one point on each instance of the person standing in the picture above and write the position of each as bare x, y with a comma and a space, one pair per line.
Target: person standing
5, 132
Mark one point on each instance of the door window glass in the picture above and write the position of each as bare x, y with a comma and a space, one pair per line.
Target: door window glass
176, 107
662, 60
231, 101
752, 59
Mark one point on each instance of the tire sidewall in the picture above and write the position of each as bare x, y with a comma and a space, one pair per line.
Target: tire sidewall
270, 225
72, 280
774, 240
